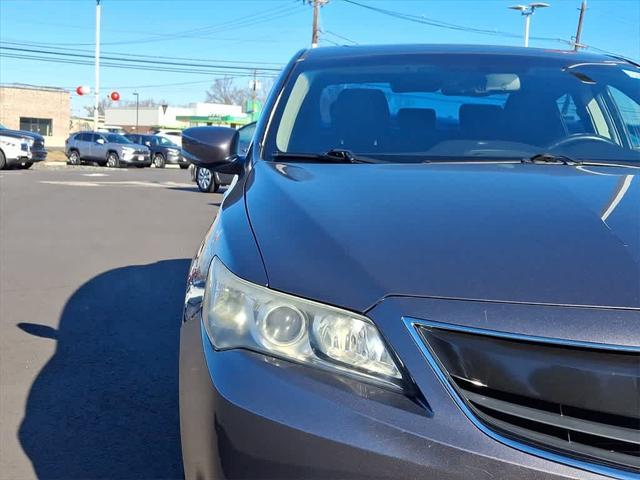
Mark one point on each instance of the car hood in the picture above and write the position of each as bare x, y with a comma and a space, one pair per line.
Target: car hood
137, 146
21, 134
352, 234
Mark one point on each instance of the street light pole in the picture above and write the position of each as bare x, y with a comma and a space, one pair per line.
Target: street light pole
527, 26
96, 104
137, 104
527, 11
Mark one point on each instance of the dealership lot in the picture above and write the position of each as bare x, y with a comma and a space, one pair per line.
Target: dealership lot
92, 270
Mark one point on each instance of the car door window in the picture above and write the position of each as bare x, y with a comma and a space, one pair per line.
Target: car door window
573, 119
245, 136
599, 118
630, 115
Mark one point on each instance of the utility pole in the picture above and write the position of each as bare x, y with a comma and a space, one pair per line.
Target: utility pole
254, 87
583, 9
254, 94
96, 92
137, 104
316, 4
314, 33
527, 11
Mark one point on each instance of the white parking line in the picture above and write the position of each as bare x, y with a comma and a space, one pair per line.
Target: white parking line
126, 183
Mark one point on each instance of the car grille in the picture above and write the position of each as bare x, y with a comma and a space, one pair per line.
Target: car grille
578, 401
141, 152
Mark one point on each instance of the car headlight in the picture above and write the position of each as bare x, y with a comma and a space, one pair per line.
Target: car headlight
128, 150
240, 314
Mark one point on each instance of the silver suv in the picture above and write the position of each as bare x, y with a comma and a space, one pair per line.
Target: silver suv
104, 148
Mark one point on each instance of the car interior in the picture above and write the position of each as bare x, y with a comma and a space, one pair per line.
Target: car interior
466, 113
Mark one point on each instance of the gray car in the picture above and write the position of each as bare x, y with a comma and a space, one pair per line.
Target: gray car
427, 268
106, 149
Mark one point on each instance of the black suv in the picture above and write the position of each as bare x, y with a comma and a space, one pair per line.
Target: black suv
163, 150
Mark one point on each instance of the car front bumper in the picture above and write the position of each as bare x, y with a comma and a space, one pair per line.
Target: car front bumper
136, 159
176, 159
246, 415
28, 156
38, 155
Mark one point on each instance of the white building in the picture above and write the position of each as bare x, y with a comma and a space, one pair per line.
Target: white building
170, 117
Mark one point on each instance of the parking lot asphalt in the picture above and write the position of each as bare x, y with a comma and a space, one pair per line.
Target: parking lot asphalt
93, 264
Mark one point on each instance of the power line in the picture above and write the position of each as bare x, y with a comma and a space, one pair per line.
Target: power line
134, 60
123, 54
340, 36
331, 42
451, 26
202, 32
440, 24
151, 68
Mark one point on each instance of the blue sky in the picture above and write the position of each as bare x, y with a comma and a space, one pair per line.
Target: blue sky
254, 31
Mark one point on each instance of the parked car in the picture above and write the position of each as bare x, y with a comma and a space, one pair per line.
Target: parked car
108, 149
112, 129
429, 267
174, 135
20, 148
210, 181
163, 150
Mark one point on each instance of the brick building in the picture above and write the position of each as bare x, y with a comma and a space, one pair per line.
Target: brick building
45, 110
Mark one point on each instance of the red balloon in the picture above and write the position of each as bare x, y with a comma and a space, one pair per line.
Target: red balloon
82, 90
115, 96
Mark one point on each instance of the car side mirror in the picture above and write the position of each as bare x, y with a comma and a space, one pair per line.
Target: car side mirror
213, 147
148, 144
100, 141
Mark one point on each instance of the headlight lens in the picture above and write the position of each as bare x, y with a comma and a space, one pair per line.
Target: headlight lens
128, 150
240, 314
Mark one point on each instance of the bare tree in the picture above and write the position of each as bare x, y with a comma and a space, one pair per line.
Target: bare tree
146, 102
266, 85
102, 105
224, 90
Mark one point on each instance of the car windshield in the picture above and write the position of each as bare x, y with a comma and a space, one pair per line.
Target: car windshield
115, 138
418, 107
165, 142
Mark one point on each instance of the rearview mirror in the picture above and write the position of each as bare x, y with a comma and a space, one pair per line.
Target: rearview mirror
213, 147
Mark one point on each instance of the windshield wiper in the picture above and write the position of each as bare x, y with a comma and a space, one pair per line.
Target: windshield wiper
551, 158
335, 155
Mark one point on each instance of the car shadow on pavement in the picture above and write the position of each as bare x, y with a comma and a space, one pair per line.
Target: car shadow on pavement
106, 404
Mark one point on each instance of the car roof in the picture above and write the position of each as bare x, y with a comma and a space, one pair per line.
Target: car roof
94, 131
327, 53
